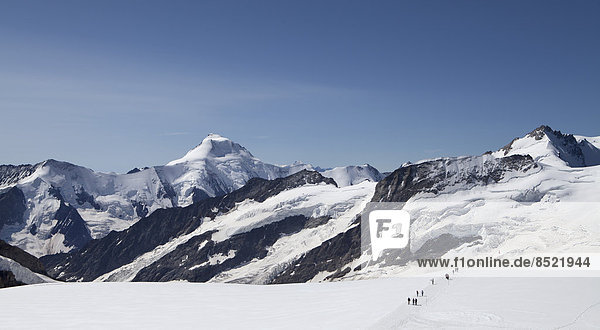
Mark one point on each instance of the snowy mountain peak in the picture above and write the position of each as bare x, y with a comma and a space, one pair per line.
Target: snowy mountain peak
213, 146
57, 206
351, 175
554, 148
540, 132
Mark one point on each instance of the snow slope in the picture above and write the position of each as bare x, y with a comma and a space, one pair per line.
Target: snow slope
21, 273
595, 140
555, 148
350, 175
105, 201
378, 304
472, 302
218, 166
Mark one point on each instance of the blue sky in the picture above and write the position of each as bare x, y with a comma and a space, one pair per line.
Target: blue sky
116, 84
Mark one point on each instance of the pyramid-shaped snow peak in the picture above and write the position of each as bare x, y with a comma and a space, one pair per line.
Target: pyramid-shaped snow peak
213, 146
215, 167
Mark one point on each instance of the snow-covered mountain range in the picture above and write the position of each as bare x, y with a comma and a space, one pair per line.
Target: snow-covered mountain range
55, 206
539, 194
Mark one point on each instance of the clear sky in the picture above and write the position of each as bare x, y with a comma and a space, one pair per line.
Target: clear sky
116, 84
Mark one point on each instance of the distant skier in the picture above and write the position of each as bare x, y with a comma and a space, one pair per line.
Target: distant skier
421, 293
409, 300
416, 302
432, 281
447, 277
417, 293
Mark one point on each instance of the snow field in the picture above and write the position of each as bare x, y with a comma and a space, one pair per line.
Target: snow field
378, 304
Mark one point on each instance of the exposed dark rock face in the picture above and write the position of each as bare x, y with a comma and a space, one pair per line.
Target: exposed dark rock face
537, 134
134, 170
330, 256
55, 192
198, 195
119, 248
33, 229
261, 189
218, 186
10, 174
71, 225
166, 190
569, 149
7, 279
140, 208
83, 197
23, 258
437, 175
137, 169
191, 263
12, 207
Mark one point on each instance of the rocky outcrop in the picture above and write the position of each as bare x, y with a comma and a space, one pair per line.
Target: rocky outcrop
331, 256
437, 175
71, 225
23, 258
194, 260
11, 174
12, 207
7, 279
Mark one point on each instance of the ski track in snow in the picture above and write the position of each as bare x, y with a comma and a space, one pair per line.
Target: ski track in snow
590, 309
376, 304
472, 302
